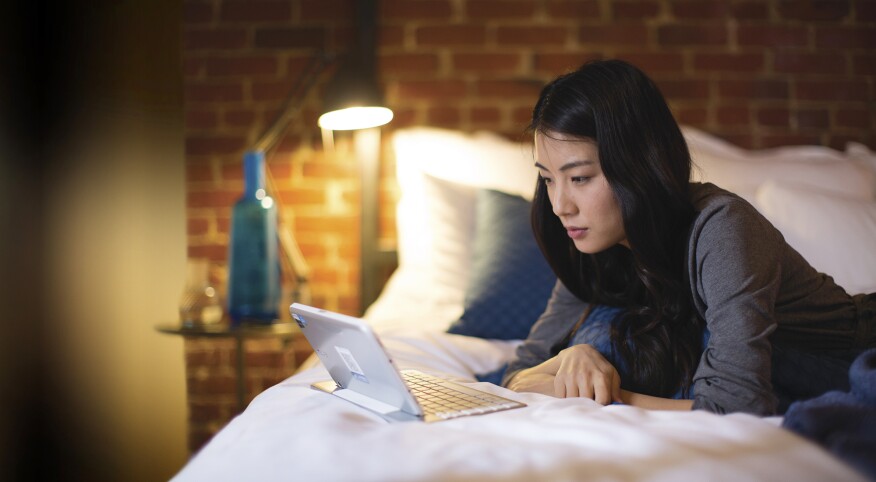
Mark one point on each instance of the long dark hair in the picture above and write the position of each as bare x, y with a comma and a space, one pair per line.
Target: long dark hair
645, 160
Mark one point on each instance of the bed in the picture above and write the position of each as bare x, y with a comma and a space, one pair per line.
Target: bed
458, 193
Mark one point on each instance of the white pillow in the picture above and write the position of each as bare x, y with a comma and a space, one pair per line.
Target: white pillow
836, 234
439, 172
744, 171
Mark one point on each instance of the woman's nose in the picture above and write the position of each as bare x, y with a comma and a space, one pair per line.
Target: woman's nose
561, 203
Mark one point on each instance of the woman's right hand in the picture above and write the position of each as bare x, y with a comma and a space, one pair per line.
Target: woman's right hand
577, 371
583, 372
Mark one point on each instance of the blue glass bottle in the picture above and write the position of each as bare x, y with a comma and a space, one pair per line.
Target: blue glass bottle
253, 267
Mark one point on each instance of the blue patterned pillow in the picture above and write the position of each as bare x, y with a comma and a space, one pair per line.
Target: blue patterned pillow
510, 281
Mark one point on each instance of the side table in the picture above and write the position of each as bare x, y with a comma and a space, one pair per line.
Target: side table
285, 331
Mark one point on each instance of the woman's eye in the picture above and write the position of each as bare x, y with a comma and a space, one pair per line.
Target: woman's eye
580, 179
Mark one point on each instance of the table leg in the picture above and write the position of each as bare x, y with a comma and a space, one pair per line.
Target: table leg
241, 374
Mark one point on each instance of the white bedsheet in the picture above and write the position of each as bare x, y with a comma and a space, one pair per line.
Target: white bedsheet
292, 432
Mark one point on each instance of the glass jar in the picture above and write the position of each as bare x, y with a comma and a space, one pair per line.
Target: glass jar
200, 303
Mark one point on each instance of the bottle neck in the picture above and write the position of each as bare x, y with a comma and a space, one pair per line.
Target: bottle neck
253, 172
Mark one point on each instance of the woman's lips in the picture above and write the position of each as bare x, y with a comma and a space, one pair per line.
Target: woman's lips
576, 233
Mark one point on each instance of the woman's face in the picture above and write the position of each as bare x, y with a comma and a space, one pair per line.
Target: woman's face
579, 192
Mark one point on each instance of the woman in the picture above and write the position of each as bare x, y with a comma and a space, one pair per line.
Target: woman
700, 302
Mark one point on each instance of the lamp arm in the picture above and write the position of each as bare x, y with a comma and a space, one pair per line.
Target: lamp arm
317, 65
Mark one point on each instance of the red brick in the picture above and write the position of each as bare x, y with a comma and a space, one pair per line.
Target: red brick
487, 63
213, 385
290, 38
865, 11
839, 90
395, 64
404, 117
772, 36
197, 12
614, 34
691, 115
845, 38
655, 62
432, 89
224, 92
687, 35
864, 64
199, 172
214, 252
805, 63
244, 65
329, 223
685, 89
532, 36
193, 68
216, 144
300, 196
859, 118
635, 9
781, 140
561, 63
256, 11
264, 359
214, 39
272, 91
201, 119
754, 89
698, 9
197, 227
521, 115
755, 10
813, 10
814, 118
443, 116
733, 115
223, 224
239, 117
505, 89
203, 358
484, 115
733, 63
200, 412
327, 10
745, 141
773, 116
390, 36
499, 9
574, 9
329, 170
212, 199
451, 35
415, 9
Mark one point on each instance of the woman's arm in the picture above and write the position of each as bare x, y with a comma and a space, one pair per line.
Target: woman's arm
654, 403
539, 379
562, 311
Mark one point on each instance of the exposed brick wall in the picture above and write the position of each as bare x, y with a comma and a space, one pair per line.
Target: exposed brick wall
758, 73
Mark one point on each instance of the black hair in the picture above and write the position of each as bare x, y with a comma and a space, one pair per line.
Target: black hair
646, 162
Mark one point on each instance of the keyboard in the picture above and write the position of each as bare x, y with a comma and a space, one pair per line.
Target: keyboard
442, 400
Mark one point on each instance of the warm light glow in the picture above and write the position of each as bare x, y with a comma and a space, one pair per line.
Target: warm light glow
355, 118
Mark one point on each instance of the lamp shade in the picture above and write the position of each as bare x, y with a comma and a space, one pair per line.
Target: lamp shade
353, 100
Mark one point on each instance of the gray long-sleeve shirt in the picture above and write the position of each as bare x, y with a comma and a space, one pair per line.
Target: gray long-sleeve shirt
752, 289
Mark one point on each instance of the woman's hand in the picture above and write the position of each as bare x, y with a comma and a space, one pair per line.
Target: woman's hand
583, 372
577, 371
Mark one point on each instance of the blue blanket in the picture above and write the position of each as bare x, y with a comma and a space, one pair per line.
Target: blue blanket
843, 422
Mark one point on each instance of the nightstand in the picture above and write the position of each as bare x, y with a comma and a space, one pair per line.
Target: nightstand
286, 332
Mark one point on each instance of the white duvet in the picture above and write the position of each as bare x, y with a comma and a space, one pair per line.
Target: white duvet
292, 432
